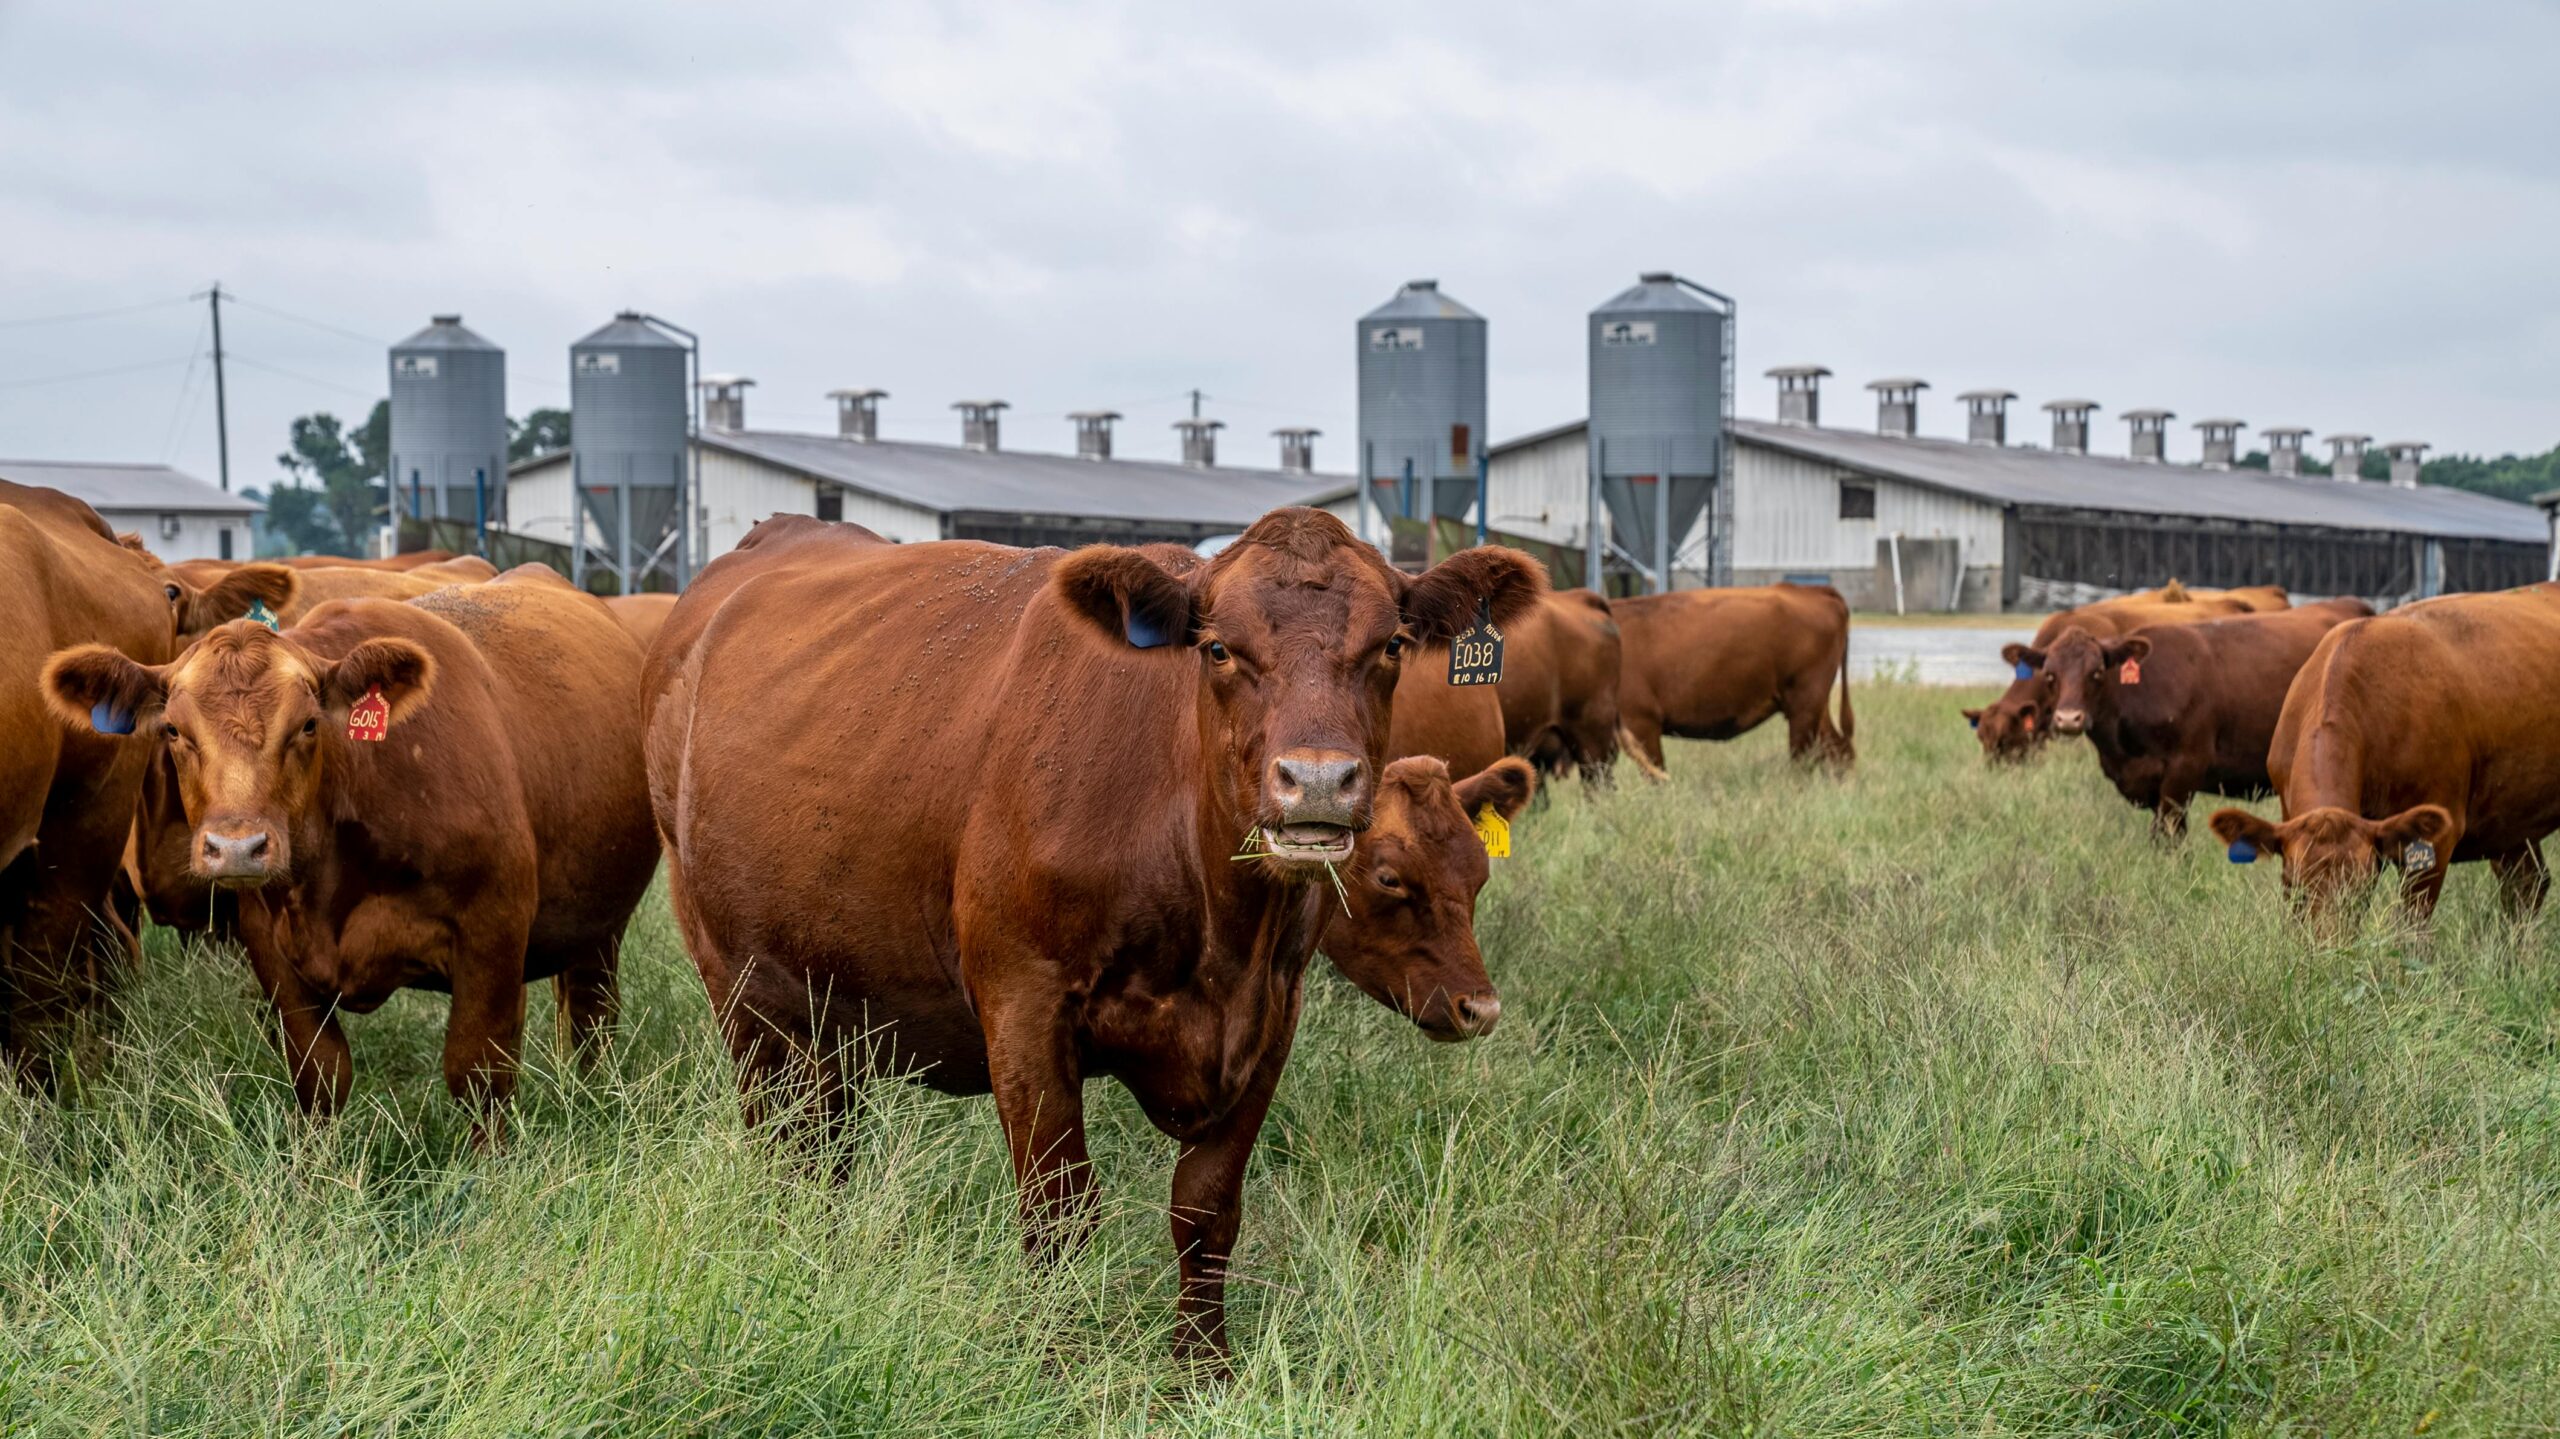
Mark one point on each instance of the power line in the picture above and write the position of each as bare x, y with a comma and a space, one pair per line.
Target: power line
340, 332
186, 387
94, 314
239, 358
93, 374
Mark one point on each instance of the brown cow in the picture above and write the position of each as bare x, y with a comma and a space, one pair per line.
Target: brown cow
2018, 723
409, 560
1559, 685
498, 832
2414, 741
1713, 664
1009, 820
2176, 709
1461, 724
67, 798
642, 615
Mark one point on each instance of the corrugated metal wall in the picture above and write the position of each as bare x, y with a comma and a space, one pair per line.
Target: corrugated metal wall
540, 503
1788, 517
739, 492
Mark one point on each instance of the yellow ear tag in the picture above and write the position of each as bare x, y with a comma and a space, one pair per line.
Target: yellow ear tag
1495, 831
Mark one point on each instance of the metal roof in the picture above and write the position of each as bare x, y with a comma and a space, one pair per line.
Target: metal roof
2016, 475
1421, 300
444, 333
128, 488
630, 331
949, 479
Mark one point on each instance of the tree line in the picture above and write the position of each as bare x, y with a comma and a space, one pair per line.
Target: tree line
2507, 477
331, 496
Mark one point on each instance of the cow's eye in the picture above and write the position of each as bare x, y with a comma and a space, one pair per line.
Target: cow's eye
1390, 881
168, 731
1219, 652
311, 726
1395, 646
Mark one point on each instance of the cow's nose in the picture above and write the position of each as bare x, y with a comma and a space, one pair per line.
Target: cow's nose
1478, 1014
1318, 788
2070, 721
235, 856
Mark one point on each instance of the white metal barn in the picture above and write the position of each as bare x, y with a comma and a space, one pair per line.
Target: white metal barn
1895, 519
908, 491
179, 516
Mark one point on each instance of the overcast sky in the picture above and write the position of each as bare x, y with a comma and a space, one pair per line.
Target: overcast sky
2335, 214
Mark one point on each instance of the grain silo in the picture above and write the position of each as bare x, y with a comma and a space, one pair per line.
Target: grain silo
627, 443
1421, 363
1661, 393
448, 456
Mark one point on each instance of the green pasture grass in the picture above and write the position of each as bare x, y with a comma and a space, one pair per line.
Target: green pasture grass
1927, 1101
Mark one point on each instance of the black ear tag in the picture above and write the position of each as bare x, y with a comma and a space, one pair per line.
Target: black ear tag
1475, 657
2419, 857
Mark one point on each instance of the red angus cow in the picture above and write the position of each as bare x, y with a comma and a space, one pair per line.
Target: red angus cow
2417, 740
2015, 725
2178, 708
1009, 820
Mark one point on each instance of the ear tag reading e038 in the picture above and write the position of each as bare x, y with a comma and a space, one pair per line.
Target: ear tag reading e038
1475, 657
1495, 831
370, 718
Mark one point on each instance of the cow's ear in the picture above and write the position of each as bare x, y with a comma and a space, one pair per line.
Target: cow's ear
2430, 824
2136, 649
1973, 718
2247, 834
2018, 654
1126, 595
100, 688
1443, 602
228, 598
401, 669
1507, 784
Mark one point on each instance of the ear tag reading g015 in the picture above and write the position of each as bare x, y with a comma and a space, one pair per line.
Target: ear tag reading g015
2026, 671
1495, 831
2129, 673
370, 718
2419, 857
258, 612
1475, 657
2243, 852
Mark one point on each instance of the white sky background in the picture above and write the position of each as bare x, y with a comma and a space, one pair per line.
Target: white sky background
2339, 214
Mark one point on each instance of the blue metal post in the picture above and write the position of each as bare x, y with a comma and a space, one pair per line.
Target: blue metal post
1404, 494
480, 511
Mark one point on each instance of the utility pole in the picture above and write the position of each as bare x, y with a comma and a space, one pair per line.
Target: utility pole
1195, 404
221, 402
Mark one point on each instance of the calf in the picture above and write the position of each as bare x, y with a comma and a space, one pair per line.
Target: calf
1087, 830
1713, 664
444, 794
2174, 709
2414, 741
1405, 928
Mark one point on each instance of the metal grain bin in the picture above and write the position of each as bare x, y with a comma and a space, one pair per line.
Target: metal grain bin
449, 425
1661, 386
1421, 364
627, 443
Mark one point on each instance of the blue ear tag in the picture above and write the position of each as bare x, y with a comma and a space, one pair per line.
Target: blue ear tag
105, 718
1973, 721
1143, 633
2243, 852
2026, 671
258, 612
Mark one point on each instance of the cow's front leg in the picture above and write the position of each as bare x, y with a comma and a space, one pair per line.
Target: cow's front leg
2178, 785
484, 1034
2522, 880
1208, 1208
1039, 1092
307, 1031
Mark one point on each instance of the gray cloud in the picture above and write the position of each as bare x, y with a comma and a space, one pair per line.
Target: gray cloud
2332, 214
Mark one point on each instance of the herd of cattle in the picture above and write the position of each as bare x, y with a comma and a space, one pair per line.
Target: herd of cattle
2398, 743
1008, 820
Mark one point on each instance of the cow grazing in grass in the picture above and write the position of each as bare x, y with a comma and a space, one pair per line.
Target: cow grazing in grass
2017, 724
67, 796
1559, 690
2174, 710
2414, 741
1009, 820
1713, 664
496, 831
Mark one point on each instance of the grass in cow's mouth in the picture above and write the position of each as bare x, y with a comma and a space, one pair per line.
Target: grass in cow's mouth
1257, 845
1931, 1100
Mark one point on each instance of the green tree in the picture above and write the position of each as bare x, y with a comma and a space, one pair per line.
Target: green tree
347, 466
539, 433
298, 519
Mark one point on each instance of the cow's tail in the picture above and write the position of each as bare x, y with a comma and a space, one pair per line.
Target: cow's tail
1848, 715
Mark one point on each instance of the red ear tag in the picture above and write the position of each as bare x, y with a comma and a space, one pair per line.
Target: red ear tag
370, 718
2029, 721
2131, 674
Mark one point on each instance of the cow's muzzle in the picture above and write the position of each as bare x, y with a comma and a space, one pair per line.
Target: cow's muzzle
2070, 722
1317, 797
236, 854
